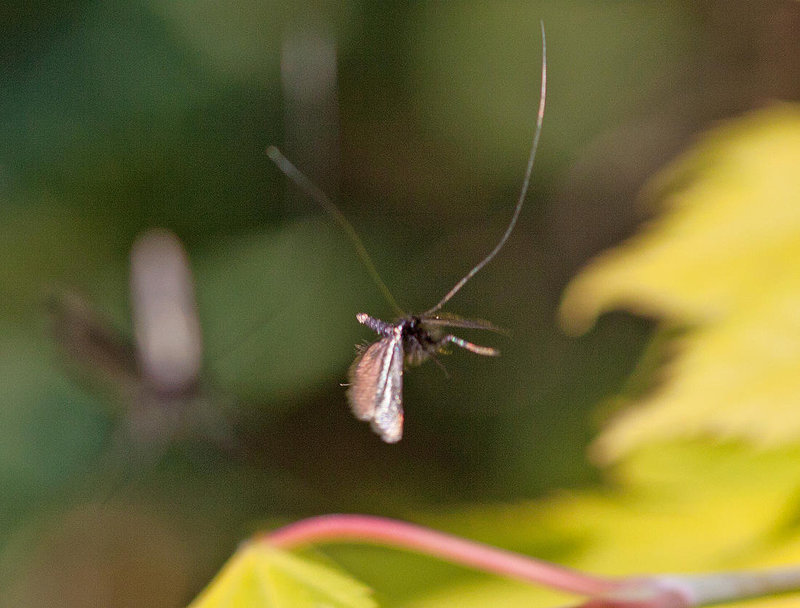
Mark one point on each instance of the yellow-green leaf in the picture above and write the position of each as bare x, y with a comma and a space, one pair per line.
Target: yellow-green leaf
679, 507
260, 576
723, 260
682, 507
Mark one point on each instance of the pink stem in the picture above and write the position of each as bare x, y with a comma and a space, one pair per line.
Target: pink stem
392, 532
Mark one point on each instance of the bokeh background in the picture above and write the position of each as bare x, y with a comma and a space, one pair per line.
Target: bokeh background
117, 117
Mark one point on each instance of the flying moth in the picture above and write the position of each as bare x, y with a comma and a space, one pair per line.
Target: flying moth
375, 390
156, 373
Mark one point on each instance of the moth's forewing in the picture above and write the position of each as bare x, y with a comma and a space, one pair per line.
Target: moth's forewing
363, 379
376, 387
388, 420
92, 346
451, 320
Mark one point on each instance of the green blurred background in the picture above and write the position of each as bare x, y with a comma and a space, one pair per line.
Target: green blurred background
117, 116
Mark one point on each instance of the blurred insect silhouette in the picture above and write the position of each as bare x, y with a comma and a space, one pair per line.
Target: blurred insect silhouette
375, 391
156, 376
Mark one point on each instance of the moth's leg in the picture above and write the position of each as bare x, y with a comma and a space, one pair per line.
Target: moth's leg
440, 365
486, 351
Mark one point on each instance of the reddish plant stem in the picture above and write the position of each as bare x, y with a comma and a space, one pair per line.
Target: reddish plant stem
391, 532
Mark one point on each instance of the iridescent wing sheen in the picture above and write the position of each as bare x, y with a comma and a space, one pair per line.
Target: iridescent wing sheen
376, 387
450, 320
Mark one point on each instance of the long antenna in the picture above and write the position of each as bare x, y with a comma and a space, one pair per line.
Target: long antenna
522, 194
307, 186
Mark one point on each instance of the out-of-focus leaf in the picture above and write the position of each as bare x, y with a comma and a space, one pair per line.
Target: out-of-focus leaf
243, 44
722, 260
46, 246
52, 431
259, 576
114, 68
284, 306
106, 554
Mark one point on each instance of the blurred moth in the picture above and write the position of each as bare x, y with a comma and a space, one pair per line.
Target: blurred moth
157, 374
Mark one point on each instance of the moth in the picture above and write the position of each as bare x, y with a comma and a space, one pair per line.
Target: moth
156, 373
376, 376
375, 389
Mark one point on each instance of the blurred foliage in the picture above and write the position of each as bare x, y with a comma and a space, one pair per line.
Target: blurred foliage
262, 576
719, 259
676, 507
118, 117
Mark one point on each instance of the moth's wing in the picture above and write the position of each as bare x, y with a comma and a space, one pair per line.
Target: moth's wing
363, 378
376, 387
451, 320
90, 343
388, 420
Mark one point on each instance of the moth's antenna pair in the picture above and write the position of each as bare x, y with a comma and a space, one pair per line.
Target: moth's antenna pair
325, 202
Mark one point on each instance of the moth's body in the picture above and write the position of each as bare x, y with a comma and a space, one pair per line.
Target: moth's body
420, 342
376, 376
